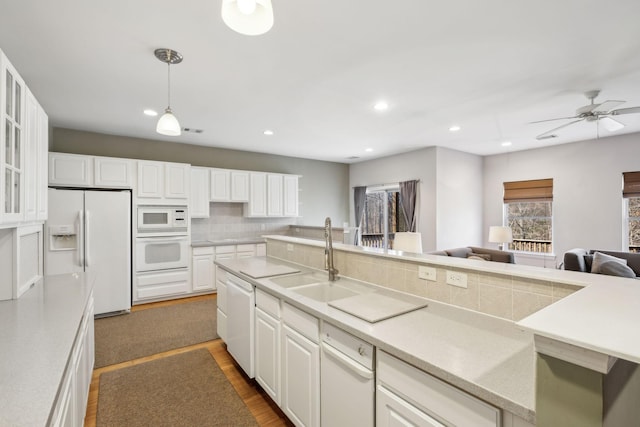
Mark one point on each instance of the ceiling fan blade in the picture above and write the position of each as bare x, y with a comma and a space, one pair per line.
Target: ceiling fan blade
630, 110
551, 120
610, 124
549, 132
607, 106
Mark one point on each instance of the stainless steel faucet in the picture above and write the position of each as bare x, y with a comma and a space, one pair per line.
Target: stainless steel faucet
328, 251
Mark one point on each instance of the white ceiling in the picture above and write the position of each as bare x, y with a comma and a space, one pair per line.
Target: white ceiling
489, 66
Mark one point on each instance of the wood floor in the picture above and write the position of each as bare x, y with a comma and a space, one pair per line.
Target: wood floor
266, 413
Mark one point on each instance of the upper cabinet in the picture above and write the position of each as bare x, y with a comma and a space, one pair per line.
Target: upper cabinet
272, 195
162, 180
199, 206
229, 185
75, 170
24, 143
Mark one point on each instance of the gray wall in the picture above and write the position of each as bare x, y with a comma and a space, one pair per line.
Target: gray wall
324, 186
450, 192
587, 188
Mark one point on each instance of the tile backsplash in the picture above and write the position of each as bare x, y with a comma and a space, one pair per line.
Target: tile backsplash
506, 296
226, 221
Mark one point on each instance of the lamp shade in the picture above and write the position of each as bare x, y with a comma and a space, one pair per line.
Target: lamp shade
500, 234
241, 16
408, 242
168, 124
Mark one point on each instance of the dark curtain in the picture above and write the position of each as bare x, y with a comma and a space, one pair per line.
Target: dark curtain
408, 190
359, 199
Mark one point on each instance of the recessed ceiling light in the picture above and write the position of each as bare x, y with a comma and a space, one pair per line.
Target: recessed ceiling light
381, 106
506, 143
368, 150
151, 113
454, 128
268, 132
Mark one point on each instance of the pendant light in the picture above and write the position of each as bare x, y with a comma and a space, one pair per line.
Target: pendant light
249, 17
168, 124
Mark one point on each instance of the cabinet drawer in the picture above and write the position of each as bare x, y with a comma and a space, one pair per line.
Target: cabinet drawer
302, 322
226, 249
205, 250
162, 284
437, 398
222, 297
268, 303
221, 276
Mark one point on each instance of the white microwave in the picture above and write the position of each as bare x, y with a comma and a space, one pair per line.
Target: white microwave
162, 220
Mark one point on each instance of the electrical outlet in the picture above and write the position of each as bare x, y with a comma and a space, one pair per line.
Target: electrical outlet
289, 247
427, 273
457, 278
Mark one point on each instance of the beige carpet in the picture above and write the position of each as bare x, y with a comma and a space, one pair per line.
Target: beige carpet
187, 389
146, 332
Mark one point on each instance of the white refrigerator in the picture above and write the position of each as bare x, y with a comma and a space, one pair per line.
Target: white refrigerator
90, 230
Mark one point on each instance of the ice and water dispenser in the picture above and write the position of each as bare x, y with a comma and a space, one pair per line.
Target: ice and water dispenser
63, 238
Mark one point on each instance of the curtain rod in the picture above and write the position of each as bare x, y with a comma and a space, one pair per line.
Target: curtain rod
385, 185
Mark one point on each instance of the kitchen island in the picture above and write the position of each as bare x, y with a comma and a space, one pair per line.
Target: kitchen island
38, 343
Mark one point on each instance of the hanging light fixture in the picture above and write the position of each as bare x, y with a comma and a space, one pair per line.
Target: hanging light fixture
168, 124
249, 17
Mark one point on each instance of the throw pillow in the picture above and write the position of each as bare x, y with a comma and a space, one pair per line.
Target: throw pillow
477, 258
486, 257
599, 258
614, 268
588, 261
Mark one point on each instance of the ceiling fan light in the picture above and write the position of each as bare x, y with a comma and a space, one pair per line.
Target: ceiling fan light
234, 14
168, 124
610, 124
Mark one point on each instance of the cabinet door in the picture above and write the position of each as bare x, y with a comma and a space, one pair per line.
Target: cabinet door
70, 170
300, 378
290, 197
43, 165
112, 173
393, 411
267, 348
199, 201
220, 185
150, 183
274, 194
31, 159
257, 205
177, 177
239, 186
202, 274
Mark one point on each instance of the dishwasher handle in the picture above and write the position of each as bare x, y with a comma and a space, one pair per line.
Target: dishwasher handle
347, 361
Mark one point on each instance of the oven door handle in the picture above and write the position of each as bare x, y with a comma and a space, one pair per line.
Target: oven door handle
155, 239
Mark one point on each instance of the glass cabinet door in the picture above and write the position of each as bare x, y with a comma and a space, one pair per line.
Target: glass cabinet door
12, 146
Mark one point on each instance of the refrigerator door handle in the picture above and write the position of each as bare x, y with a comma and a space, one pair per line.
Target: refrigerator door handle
87, 258
81, 238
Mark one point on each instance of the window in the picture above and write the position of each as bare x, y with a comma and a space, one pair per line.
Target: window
631, 196
382, 217
528, 211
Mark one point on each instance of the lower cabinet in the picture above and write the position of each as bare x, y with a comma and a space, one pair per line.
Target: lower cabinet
407, 396
267, 345
221, 300
202, 269
71, 405
300, 367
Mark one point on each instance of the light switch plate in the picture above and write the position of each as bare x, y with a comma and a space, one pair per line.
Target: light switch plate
456, 278
427, 273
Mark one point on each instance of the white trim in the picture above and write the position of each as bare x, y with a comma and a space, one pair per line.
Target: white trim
589, 359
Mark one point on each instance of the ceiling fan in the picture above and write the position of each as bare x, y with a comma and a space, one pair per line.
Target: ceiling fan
592, 112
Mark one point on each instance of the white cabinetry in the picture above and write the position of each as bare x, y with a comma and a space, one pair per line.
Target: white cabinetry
199, 193
72, 170
267, 345
300, 367
229, 185
36, 162
112, 172
272, 195
12, 134
202, 271
239, 186
162, 180
221, 285
408, 396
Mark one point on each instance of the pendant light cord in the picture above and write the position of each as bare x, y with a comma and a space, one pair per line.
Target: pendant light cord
169, 85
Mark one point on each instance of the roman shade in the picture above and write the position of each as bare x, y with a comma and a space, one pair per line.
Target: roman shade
631, 187
536, 190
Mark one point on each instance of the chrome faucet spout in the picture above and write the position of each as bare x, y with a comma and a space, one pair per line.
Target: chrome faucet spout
328, 251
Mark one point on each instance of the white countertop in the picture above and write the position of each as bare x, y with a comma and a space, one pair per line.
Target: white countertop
37, 332
488, 357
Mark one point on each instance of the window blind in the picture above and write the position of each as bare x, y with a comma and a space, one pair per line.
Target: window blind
536, 190
631, 187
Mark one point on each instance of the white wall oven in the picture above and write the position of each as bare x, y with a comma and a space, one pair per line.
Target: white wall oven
158, 220
162, 253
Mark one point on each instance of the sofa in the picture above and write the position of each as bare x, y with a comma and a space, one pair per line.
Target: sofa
474, 252
579, 259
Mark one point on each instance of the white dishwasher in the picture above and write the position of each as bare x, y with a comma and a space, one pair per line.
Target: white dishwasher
241, 302
347, 379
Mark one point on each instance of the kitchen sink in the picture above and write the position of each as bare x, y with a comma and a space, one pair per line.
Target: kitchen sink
299, 279
331, 291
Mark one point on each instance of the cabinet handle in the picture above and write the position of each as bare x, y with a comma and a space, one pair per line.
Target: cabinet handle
80, 245
87, 244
